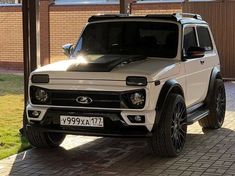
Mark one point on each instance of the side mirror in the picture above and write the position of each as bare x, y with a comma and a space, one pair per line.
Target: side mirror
195, 52
68, 49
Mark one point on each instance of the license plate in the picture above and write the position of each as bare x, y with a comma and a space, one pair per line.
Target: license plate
82, 121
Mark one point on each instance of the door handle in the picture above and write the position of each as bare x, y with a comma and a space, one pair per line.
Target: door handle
202, 62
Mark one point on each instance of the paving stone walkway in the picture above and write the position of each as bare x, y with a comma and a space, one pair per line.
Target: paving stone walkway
206, 153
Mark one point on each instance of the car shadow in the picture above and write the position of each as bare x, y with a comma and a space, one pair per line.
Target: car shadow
112, 156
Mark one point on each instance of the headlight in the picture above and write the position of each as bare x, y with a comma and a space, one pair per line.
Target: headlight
135, 99
41, 95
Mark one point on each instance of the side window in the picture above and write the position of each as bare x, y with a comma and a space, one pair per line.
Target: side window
204, 38
189, 38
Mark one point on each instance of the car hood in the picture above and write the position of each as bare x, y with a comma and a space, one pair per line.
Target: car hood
112, 67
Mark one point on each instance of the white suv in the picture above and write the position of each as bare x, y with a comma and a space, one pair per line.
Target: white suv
130, 76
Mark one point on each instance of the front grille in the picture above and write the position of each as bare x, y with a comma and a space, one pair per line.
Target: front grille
99, 99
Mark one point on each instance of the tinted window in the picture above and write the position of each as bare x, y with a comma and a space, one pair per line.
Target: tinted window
204, 38
130, 38
189, 38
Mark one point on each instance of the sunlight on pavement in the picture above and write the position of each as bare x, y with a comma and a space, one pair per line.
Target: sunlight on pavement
72, 141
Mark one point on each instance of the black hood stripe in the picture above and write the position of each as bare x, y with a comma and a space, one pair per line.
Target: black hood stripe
105, 63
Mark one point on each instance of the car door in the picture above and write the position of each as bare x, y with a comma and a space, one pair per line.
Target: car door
196, 75
210, 60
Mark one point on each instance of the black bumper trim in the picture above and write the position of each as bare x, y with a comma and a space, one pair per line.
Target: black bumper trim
98, 134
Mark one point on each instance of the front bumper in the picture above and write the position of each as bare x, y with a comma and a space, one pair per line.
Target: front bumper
116, 123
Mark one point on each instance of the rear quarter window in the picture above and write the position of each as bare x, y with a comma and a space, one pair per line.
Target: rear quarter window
204, 38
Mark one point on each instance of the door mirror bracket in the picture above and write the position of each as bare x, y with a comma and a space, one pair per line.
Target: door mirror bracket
68, 49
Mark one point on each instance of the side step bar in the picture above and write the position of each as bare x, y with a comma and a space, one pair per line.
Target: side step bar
196, 114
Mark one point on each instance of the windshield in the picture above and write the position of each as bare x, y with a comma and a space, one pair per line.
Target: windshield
152, 39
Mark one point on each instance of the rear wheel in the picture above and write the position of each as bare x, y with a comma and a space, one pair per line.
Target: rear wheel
169, 134
217, 107
44, 139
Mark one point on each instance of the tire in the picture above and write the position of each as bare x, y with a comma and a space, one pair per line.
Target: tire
43, 139
217, 107
169, 134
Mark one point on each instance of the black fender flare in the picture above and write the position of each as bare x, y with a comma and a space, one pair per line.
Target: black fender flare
170, 86
215, 74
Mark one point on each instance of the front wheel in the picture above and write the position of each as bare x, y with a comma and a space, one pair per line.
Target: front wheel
169, 134
44, 139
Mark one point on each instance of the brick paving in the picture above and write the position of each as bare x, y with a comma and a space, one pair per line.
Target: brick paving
208, 153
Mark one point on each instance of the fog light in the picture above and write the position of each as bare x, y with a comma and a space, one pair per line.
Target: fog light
136, 118
34, 114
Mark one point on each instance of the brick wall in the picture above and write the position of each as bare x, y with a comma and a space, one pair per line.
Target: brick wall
63, 24
151, 8
11, 38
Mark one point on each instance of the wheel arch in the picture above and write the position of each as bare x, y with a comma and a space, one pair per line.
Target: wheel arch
170, 86
215, 74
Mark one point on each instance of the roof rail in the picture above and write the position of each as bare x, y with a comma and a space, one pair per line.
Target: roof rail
191, 15
174, 16
164, 16
116, 16
106, 16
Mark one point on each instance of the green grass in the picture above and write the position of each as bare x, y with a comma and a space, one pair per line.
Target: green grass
11, 110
